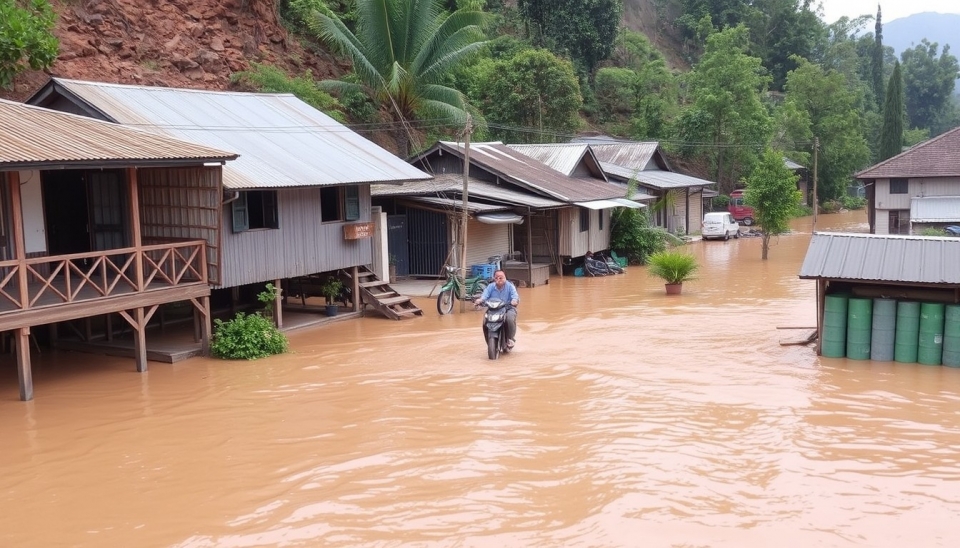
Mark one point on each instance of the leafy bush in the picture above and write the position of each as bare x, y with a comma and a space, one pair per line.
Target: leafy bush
26, 38
247, 337
933, 232
853, 202
673, 266
632, 236
270, 79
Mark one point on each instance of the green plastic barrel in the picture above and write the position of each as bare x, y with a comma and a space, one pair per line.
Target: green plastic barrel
951, 335
835, 326
859, 324
883, 330
930, 345
908, 332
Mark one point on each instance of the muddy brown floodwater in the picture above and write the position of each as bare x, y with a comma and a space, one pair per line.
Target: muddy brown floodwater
623, 418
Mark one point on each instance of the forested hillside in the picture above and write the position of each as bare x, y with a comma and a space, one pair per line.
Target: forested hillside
716, 82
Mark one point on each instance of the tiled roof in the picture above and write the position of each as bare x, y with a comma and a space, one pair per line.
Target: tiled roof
938, 157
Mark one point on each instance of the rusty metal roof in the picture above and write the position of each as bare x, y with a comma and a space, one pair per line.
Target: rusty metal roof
282, 141
528, 173
890, 258
937, 157
38, 138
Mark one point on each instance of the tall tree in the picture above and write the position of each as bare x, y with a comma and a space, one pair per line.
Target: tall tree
834, 116
532, 89
891, 135
772, 192
726, 117
26, 38
876, 60
402, 54
928, 83
585, 30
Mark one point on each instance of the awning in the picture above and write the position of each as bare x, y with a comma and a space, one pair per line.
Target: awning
500, 218
611, 203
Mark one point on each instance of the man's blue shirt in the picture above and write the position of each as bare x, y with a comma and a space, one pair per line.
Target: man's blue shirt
507, 294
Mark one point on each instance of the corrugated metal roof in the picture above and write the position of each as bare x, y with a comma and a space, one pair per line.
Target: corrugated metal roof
453, 204
790, 164
531, 174
938, 157
664, 180
34, 137
872, 257
564, 157
448, 185
630, 156
282, 141
935, 209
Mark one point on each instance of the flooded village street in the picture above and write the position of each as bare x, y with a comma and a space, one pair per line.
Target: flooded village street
623, 418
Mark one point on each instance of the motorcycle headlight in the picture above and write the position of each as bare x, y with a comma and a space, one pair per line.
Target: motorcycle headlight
495, 317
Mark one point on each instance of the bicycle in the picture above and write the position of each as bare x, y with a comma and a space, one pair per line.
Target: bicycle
455, 287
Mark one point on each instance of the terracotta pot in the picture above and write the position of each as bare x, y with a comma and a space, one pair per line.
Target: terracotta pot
673, 289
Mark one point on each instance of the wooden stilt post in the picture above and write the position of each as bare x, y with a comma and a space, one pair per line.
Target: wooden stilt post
140, 344
197, 324
530, 246
207, 326
278, 305
24, 370
108, 320
355, 288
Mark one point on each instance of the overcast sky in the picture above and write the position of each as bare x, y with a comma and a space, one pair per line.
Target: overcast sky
890, 9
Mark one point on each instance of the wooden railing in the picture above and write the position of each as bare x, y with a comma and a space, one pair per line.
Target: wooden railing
62, 279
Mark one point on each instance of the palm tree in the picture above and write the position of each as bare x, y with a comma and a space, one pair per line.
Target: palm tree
402, 52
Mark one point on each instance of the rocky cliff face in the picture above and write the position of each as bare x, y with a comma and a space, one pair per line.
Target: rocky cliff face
177, 43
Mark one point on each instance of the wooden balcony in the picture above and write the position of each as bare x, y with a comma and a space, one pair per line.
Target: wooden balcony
58, 288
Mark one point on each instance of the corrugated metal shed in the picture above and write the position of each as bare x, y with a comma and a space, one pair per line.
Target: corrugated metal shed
871, 257
453, 204
33, 137
938, 157
528, 173
448, 185
935, 209
282, 141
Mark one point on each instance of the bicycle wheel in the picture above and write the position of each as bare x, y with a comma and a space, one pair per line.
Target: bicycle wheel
445, 302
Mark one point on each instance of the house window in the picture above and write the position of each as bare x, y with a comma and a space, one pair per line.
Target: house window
339, 204
600, 223
898, 186
255, 209
584, 219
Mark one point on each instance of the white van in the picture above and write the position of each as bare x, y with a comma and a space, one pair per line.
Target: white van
719, 225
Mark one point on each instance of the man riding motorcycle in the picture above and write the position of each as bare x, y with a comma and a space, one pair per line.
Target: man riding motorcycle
506, 292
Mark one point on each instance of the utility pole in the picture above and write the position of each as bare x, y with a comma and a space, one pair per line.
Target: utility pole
467, 130
816, 208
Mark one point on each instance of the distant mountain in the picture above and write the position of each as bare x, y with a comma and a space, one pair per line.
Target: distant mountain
907, 32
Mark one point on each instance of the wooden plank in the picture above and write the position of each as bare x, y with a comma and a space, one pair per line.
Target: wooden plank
394, 300
19, 245
140, 341
96, 307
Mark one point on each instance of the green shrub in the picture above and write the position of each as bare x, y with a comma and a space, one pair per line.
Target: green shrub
933, 232
632, 237
270, 79
853, 202
247, 337
673, 266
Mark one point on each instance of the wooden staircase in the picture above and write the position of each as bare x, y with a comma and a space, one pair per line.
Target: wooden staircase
378, 294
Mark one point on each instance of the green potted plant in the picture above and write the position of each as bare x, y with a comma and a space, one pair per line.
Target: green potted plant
674, 267
331, 289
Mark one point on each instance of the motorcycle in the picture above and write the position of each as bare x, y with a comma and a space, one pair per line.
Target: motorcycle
494, 320
457, 288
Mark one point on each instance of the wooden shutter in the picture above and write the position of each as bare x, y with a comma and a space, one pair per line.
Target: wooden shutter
351, 201
241, 218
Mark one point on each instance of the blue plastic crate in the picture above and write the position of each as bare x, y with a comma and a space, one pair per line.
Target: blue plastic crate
485, 270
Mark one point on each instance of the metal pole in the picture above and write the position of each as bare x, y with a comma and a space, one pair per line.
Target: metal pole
816, 208
463, 222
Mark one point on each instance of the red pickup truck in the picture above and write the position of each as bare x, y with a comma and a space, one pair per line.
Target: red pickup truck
742, 213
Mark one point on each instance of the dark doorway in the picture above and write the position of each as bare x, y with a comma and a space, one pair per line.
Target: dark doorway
427, 241
65, 210
84, 211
